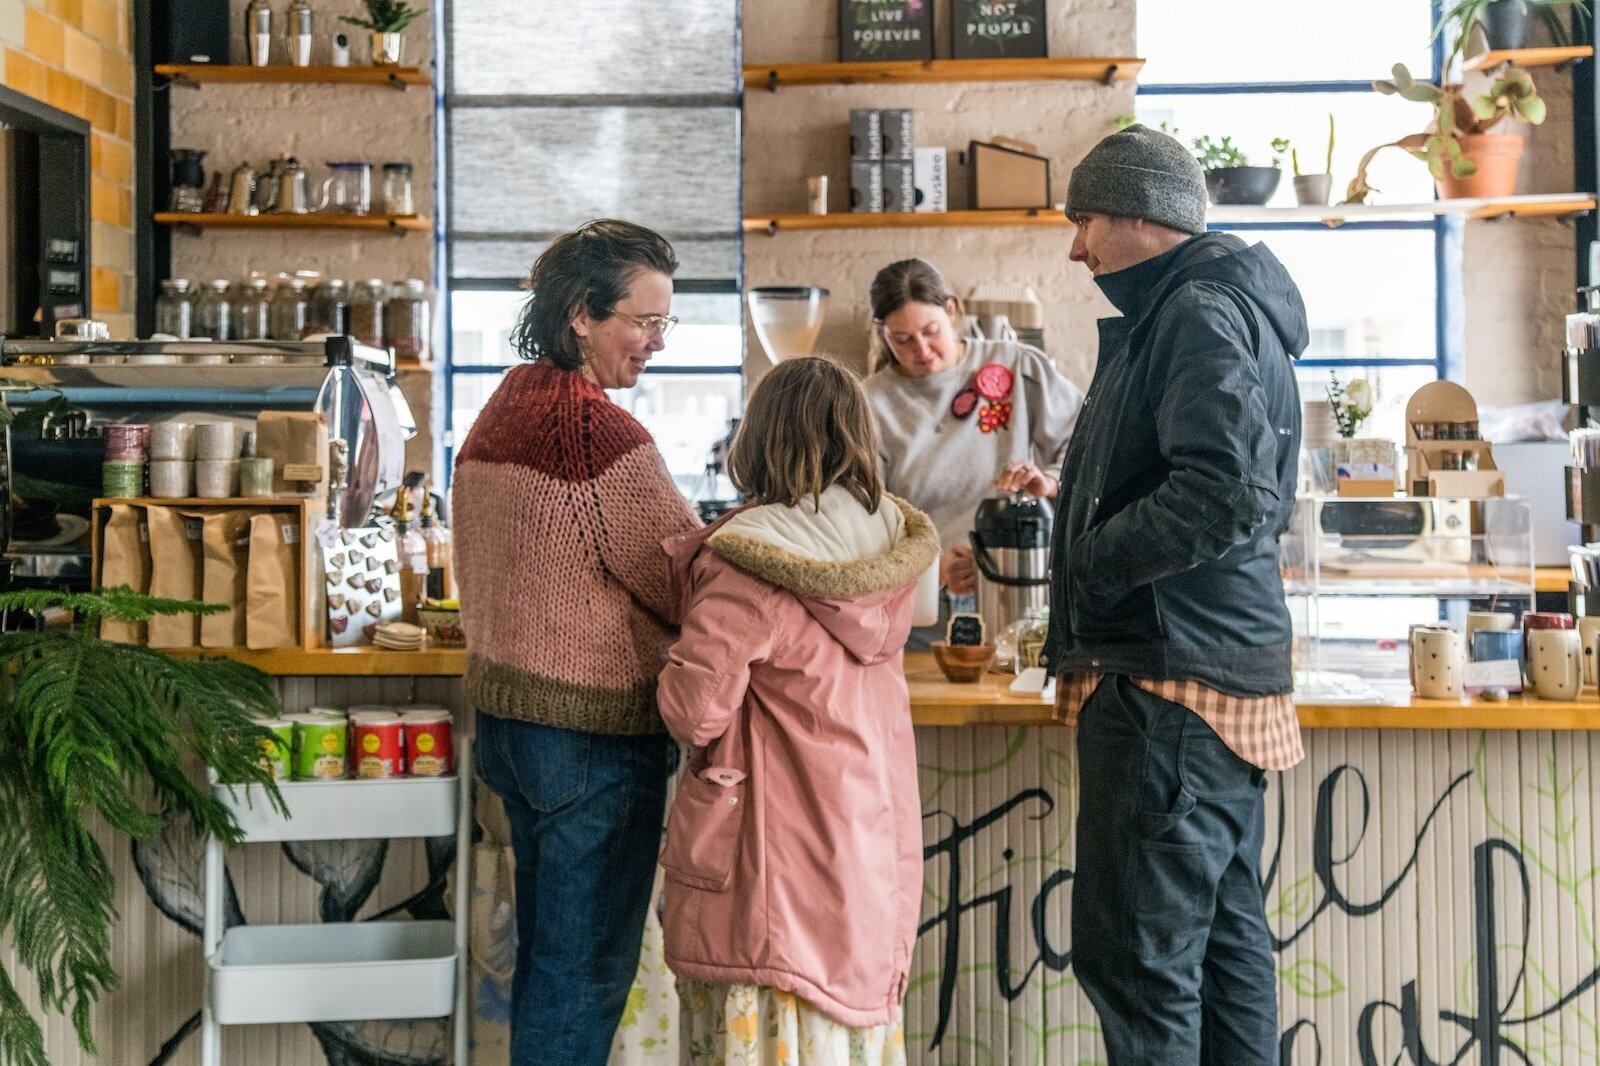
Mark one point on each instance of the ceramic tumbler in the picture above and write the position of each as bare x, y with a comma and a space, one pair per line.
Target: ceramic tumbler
1555, 663
1438, 661
171, 478
171, 440
255, 476
1478, 621
1532, 620
216, 441
216, 478
1589, 645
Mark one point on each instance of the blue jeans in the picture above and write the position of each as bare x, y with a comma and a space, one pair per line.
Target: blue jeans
586, 813
1169, 933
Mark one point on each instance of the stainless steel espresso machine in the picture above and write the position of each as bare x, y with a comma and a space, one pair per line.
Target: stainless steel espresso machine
62, 394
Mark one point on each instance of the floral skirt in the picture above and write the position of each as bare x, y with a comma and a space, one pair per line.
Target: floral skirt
744, 1025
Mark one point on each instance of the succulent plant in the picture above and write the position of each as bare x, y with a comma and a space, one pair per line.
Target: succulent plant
386, 16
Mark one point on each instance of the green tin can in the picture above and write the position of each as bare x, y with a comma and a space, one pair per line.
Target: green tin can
121, 479
320, 739
277, 751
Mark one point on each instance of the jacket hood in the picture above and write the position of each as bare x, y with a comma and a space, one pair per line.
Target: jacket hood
849, 568
1223, 259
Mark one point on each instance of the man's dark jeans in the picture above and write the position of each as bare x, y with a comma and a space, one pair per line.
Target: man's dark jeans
1169, 937
586, 815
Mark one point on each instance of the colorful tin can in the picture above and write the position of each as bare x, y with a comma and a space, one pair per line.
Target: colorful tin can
319, 745
430, 744
277, 751
379, 741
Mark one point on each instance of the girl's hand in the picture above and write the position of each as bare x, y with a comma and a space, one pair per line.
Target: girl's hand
958, 571
1023, 476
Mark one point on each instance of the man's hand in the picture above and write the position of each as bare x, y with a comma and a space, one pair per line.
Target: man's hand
958, 571
1023, 476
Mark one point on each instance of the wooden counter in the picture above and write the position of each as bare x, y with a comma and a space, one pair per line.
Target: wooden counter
937, 702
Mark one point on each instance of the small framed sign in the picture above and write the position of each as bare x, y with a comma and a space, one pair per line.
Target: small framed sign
992, 29
873, 30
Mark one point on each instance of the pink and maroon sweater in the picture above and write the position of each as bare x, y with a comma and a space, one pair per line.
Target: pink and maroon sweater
561, 501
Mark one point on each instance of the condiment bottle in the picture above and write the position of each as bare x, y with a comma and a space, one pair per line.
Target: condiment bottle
413, 557
441, 562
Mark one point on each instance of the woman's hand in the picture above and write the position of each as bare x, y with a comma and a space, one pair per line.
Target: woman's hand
1023, 476
958, 571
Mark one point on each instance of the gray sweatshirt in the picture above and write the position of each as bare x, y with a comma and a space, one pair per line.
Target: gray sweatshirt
945, 465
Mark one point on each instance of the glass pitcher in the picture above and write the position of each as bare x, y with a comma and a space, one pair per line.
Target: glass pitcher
348, 189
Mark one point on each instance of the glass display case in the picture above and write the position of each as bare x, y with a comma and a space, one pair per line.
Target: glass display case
1358, 573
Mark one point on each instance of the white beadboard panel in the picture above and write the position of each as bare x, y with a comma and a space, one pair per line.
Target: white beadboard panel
521, 48
1394, 863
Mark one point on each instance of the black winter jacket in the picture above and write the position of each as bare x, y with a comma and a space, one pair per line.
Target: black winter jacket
1180, 476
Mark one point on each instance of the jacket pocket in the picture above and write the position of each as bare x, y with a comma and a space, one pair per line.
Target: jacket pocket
703, 828
1130, 616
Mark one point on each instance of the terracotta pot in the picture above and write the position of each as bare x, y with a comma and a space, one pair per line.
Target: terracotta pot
1496, 156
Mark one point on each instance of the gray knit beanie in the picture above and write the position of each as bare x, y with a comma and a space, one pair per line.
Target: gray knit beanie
1139, 172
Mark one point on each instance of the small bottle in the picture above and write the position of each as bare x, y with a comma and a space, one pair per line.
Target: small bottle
413, 557
441, 562
397, 199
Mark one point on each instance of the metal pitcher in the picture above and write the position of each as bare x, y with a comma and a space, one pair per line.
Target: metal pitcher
294, 189
267, 187
242, 191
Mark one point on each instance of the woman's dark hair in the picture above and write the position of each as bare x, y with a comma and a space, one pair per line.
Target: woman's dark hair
898, 284
808, 426
591, 268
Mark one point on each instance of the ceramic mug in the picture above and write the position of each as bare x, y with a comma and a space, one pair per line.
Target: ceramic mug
1477, 621
1555, 663
1438, 660
216, 478
171, 478
1589, 644
1532, 620
171, 440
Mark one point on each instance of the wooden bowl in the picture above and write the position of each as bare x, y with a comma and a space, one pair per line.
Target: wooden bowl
962, 663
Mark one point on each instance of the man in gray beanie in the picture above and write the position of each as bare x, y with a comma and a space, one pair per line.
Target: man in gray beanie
1168, 629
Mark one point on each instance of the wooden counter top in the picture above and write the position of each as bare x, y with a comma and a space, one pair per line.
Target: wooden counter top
989, 701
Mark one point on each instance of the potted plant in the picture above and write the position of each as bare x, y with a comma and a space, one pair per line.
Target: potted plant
1312, 189
96, 734
1465, 156
385, 19
1230, 179
1365, 462
1498, 25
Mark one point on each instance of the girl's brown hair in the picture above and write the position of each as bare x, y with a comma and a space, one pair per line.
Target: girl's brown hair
808, 426
900, 283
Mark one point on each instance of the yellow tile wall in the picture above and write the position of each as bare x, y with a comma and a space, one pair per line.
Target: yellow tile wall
77, 55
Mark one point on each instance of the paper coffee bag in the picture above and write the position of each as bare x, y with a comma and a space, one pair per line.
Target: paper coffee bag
124, 560
224, 549
174, 574
272, 600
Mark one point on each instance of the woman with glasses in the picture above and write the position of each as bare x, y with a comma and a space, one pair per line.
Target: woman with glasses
959, 417
561, 503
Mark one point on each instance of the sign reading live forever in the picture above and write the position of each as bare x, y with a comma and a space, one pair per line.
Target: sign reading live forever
871, 30
986, 29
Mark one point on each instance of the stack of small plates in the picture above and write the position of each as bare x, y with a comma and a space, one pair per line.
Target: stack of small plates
399, 636
1318, 428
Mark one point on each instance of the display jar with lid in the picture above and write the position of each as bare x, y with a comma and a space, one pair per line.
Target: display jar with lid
405, 321
286, 317
213, 311
397, 198
330, 308
251, 312
366, 312
175, 309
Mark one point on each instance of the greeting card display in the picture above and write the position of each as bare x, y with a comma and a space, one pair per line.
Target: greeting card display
363, 575
874, 30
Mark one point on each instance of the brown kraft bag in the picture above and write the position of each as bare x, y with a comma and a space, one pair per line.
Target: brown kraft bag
174, 574
124, 560
272, 602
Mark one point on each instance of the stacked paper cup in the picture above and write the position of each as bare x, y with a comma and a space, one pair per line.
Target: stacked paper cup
172, 460
122, 474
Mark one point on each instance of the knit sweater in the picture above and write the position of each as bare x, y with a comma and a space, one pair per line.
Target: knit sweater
561, 501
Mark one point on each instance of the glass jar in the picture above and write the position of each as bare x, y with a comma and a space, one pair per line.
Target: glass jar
213, 312
251, 313
397, 199
286, 317
366, 312
175, 309
405, 321
330, 308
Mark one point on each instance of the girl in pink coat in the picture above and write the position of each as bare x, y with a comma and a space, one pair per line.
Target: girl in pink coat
794, 846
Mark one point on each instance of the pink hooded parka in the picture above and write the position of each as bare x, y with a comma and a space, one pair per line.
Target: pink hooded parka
794, 846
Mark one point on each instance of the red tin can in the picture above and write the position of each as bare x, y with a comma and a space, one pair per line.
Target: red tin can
430, 743
378, 745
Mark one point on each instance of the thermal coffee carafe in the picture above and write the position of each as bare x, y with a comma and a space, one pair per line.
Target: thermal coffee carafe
258, 32
1011, 545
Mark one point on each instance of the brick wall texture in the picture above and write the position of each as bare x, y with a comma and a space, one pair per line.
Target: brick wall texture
77, 55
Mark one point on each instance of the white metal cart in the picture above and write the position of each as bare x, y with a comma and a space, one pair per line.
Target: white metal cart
351, 971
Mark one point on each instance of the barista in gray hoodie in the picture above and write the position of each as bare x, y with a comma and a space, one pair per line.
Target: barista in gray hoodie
1168, 628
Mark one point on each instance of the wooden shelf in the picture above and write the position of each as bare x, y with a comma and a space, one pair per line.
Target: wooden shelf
1047, 217
204, 220
342, 662
1528, 57
1551, 578
1103, 69
197, 74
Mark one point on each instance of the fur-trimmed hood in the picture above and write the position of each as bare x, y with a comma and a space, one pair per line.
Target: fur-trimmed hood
844, 564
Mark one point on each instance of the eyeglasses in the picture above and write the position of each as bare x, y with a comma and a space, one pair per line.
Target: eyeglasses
660, 325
